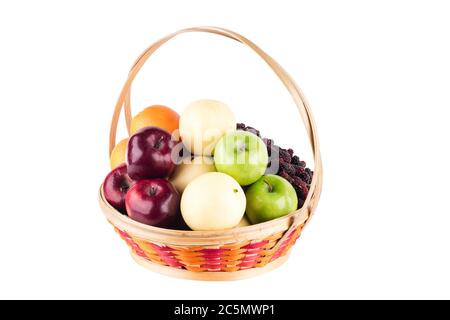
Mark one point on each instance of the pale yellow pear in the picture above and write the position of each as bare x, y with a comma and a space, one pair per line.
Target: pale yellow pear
213, 201
203, 123
189, 170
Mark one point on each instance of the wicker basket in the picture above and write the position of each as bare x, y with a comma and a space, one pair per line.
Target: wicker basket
216, 255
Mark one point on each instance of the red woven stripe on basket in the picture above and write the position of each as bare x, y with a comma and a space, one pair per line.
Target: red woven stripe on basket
213, 253
255, 245
131, 243
287, 244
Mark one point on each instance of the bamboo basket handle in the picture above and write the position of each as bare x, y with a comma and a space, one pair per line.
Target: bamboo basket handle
299, 99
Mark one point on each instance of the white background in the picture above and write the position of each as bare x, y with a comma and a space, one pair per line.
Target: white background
376, 73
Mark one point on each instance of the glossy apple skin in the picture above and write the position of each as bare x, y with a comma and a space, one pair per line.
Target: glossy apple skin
149, 154
242, 155
153, 202
115, 187
269, 198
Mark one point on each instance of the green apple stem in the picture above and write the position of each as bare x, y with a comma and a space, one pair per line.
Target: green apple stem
269, 186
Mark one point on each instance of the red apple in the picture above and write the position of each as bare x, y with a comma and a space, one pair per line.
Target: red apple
115, 187
149, 154
154, 202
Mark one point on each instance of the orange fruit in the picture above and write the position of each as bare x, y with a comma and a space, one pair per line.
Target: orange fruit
159, 116
118, 154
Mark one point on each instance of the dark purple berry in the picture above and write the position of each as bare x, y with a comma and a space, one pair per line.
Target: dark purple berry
285, 175
298, 170
304, 176
240, 126
290, 151
285, 155
301, 187
253, 130
288, 168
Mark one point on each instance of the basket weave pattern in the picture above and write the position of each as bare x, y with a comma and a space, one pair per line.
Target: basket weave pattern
228, 258
231, 254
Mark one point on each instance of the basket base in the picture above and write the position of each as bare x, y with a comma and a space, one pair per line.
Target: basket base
208, 276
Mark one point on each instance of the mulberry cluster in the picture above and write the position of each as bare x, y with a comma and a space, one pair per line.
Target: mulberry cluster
284, 163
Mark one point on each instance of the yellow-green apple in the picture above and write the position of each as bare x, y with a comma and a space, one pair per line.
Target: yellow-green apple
269, 198
203, 123
242, 155
213, 201
190, 169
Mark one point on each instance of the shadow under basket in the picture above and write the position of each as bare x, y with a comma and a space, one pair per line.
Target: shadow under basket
231, 254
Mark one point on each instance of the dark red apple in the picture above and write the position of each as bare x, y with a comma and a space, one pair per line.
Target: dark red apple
115, 187
154, 202
149, 154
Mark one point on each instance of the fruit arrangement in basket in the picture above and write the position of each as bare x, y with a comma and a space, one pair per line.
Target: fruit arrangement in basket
202, 171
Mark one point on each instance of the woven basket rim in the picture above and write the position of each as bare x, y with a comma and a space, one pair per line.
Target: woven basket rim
125, 221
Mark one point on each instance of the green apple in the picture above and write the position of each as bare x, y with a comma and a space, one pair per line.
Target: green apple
269, 198
242, 155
